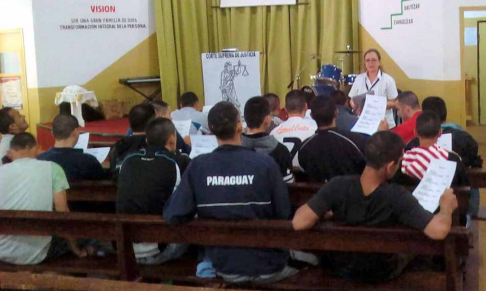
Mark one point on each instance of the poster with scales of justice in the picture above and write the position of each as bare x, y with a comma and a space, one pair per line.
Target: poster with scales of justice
231, 76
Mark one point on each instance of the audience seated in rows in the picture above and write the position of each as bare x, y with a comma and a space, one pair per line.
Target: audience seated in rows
416, 161
11, 123
345, 119
146, 181
462, 143
258, 119
296, 129
257, 192
368, 199
275, 111
330, 152
76, 164
30, 184
408, 108
138, 117
190, 111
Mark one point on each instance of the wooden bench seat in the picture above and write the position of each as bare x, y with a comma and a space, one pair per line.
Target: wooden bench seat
34, 282
126, 229
313, 278
70, 264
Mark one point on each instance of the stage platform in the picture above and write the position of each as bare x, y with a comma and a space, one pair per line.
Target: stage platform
105, 131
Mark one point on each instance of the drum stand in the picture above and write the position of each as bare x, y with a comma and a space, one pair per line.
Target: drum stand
297, 76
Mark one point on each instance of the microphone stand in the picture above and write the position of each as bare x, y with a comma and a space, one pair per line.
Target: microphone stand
297, 76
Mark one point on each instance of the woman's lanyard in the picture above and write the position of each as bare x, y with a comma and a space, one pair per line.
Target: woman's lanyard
376, 82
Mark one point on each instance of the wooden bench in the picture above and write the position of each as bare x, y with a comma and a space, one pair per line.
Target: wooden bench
299, 194
125, 229
34, 282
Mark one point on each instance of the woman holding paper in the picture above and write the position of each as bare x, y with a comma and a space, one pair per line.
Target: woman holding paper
374, 79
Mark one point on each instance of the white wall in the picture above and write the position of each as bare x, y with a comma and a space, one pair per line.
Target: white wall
428, 49
18, 14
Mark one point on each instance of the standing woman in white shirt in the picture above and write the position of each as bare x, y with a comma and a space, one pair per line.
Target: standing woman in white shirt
374, 79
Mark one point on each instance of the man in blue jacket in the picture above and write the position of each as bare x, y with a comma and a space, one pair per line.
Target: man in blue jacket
234, 183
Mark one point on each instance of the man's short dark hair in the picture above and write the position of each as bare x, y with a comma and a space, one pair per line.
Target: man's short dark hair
309, 95
140, 115
5, 120
159, 130
408, 98
23, 141
189, 99
437, 105
382, 148
273, 101
322, 110
256, 109
295, 101
160, 106
339, 97
63, 126
428, 124
223, 119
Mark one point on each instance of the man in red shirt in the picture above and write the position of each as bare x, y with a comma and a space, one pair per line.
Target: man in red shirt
408, 109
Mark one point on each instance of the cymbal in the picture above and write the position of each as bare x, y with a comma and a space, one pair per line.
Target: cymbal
348, 52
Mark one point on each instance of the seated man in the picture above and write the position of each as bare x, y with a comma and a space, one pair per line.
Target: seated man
162, 109
234, 183
369, 200
462, 142
408, 109
139, 116
189, 111
76, 164
416, 161
11, 123
275, 112
29, 184
345, 119
296, 129
331, 151
147, 180
257, 117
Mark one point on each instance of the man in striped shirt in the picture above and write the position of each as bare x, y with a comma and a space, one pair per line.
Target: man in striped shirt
416, 161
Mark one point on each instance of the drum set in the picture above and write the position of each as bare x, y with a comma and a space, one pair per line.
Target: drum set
330, 77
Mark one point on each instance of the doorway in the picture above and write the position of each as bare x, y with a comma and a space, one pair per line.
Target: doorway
482, 70
13, 82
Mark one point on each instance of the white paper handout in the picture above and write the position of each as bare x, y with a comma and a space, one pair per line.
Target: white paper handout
445, 141
202, 144
83, 141
99, 153
371, 116
438, 177
183, 126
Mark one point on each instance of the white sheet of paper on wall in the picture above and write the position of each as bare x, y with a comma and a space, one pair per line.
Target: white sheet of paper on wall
471, 36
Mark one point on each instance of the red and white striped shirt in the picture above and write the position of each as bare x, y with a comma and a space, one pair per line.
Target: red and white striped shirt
416, 161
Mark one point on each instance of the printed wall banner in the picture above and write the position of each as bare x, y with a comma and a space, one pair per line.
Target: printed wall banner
78, 39
245, 3
231, 76
11, 92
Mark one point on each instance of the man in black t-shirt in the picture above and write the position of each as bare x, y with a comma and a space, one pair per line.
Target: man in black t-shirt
369, 200
146, 181
139, 116
258, 119
331, 151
